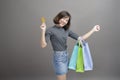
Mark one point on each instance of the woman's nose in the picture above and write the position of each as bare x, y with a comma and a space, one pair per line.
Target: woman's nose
65, 21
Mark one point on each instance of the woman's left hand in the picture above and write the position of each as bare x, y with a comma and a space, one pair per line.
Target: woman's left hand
96, 28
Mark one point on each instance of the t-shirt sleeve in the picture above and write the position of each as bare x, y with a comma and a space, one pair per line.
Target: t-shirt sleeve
73, 35
47, 35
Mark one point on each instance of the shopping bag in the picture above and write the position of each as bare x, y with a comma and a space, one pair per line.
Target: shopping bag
80, 62
73, 58
87, 58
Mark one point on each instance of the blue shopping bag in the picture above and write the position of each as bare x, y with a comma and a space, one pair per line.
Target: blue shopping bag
73, 58
88, 63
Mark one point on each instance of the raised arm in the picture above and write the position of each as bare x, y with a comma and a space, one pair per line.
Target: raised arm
94, 29
42, 40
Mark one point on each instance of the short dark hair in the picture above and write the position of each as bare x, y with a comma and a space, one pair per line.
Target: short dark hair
61, 15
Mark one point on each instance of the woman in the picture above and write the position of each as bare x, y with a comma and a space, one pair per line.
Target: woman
58, 35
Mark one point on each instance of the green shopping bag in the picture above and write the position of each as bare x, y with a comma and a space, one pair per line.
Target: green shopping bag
80, 62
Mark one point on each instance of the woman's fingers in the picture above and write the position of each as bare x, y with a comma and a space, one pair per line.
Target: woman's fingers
96, 28
43, 26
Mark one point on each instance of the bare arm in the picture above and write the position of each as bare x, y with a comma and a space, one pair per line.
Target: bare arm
42, 40
95, 28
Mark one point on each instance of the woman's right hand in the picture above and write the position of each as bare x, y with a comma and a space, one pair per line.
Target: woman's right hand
43, 26
43, 41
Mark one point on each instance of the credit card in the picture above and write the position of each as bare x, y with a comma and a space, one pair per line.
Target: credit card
42, 19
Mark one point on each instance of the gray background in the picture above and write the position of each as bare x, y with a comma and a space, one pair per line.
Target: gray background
21, 56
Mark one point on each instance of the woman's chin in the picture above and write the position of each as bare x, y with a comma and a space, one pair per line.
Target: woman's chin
62, 25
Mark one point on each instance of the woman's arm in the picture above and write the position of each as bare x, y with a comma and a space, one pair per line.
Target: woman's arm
95, 28
42, 40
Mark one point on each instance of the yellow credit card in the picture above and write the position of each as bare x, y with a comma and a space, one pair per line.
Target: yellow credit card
42, 19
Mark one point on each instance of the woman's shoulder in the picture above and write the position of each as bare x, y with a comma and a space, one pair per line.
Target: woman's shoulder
50, 29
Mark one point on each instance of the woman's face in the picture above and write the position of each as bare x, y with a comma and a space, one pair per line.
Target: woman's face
63, 21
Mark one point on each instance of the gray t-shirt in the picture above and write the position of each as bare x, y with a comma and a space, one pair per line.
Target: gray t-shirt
58, 37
